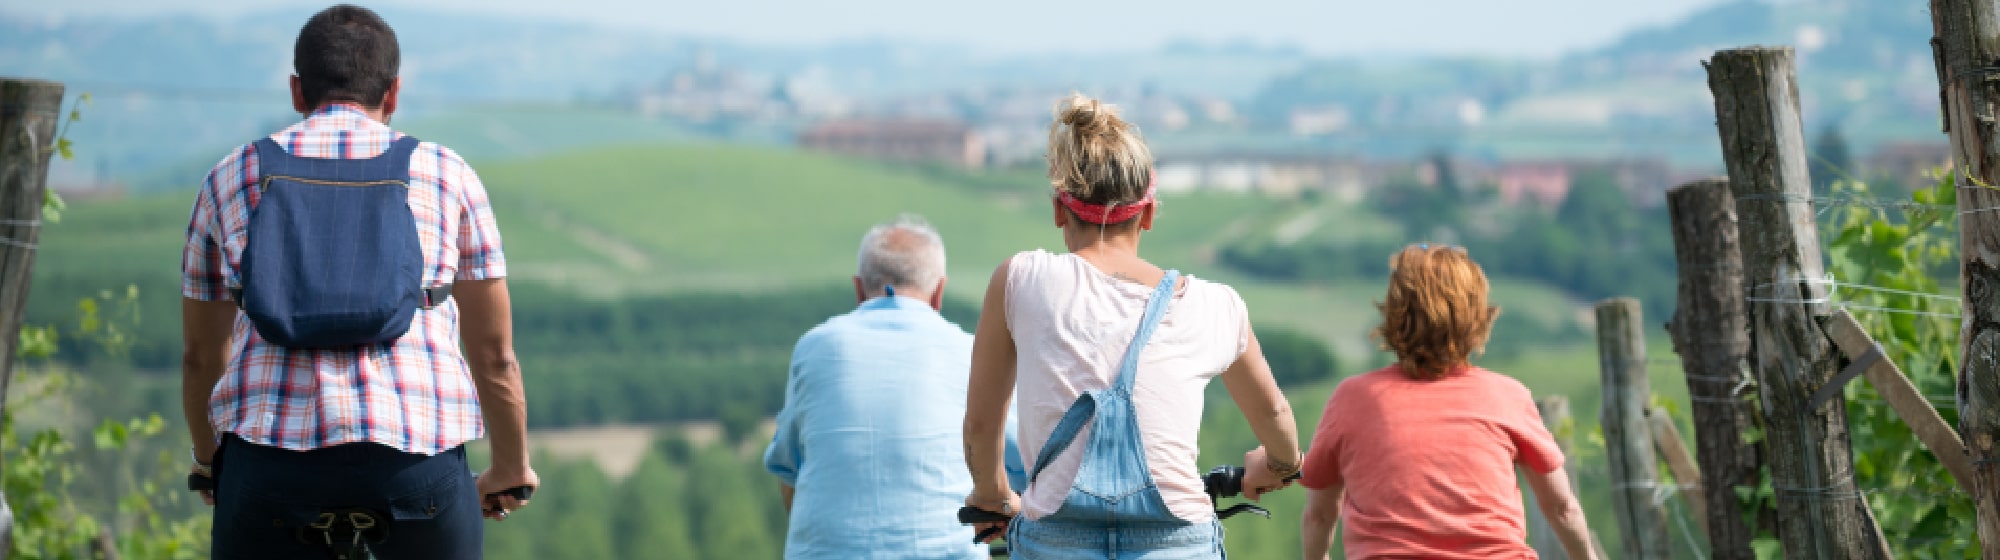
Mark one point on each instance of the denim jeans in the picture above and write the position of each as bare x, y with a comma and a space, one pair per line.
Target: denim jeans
1061, 540
266, 495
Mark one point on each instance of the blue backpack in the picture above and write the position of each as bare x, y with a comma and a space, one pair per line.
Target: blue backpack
332, 258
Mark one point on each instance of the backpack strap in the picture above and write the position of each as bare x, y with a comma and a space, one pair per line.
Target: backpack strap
272, 159
1085, 407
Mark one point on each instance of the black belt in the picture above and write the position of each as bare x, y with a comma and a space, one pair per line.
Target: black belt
433, 296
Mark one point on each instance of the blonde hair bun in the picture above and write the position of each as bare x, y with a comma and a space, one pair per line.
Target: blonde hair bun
1096, 156
1084, 113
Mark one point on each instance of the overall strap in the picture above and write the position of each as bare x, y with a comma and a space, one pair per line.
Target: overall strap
1156, 309
392, 163
1085, 406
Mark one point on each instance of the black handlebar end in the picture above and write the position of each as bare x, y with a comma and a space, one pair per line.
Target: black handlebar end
199, 483
522, 493
969, 515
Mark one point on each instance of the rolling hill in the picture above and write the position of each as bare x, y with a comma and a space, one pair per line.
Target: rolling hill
711, 218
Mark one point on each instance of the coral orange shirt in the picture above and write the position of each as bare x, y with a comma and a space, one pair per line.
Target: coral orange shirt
1428, 466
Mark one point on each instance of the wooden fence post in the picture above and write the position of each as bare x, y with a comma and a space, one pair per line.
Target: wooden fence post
1628, 438
1909, 405
1711, 336
1820, 513
1966, 44
29, 111
1667, 440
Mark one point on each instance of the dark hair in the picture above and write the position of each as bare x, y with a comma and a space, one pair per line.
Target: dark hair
346, 53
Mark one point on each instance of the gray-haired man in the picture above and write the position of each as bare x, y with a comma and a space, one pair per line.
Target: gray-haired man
868, 442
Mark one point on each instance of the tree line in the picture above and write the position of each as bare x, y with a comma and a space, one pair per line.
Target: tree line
1597, 243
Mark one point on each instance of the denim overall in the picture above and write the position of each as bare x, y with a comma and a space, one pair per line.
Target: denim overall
1114, 510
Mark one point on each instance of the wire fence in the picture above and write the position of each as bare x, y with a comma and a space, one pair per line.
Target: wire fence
1855, 297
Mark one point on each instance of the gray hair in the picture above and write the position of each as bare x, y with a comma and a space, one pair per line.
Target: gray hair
905, 252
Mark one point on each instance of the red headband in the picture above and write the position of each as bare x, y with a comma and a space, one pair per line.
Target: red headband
1114, 213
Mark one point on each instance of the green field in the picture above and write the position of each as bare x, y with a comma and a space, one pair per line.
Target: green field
707, 218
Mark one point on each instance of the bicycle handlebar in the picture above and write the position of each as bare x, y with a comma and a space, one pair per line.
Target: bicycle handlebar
1221, 482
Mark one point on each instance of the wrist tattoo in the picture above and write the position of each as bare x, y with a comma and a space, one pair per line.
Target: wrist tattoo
1283, 468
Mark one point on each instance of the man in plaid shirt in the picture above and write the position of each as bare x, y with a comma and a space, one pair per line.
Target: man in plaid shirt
290, 434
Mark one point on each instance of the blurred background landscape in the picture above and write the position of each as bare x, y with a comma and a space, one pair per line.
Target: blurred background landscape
681, 200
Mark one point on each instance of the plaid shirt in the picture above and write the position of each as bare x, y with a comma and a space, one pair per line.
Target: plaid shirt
415, 394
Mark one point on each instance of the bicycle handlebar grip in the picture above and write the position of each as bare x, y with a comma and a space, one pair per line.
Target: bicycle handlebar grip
522, 493
198, 483
970, 515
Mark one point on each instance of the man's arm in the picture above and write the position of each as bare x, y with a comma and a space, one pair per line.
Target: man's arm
782, 456
486, 326
206, 331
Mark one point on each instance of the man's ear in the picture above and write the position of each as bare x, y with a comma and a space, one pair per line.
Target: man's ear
389, 99
299, 97
860, 295
937, 296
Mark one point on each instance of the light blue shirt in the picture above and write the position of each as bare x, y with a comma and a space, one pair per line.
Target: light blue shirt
870, 437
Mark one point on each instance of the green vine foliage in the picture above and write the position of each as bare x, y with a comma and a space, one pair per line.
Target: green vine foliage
71, 502
1885, 266
56, 487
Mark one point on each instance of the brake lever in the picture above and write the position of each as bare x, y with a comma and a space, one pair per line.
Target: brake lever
1231, 511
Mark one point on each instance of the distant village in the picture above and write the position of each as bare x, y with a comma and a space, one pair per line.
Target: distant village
1003, 127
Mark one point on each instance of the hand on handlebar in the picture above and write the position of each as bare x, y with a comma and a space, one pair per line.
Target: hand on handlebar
1258, 479
1003, 508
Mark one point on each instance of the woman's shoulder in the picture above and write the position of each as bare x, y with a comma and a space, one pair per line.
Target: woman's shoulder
1197, 286
1500, 382
1029, 261
1391, 373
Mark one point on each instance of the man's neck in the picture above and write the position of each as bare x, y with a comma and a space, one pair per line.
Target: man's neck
913, 295
373, 113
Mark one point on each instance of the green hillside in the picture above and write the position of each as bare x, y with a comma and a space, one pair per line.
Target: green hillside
704, 218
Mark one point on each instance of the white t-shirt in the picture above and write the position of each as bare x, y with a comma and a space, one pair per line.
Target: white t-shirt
1072, 325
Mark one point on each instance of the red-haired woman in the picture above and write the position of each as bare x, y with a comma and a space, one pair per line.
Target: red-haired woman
1419, 457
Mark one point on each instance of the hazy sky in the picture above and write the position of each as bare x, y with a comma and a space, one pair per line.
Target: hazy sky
1494, 27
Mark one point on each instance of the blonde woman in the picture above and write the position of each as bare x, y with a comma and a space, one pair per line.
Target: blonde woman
1419, 457
1110, 355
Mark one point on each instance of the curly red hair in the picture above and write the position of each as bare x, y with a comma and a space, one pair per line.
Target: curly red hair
1436, 315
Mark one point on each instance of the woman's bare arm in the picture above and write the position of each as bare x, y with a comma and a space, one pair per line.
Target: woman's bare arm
989, 394
1316, 523
1270, 415
1559, 506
